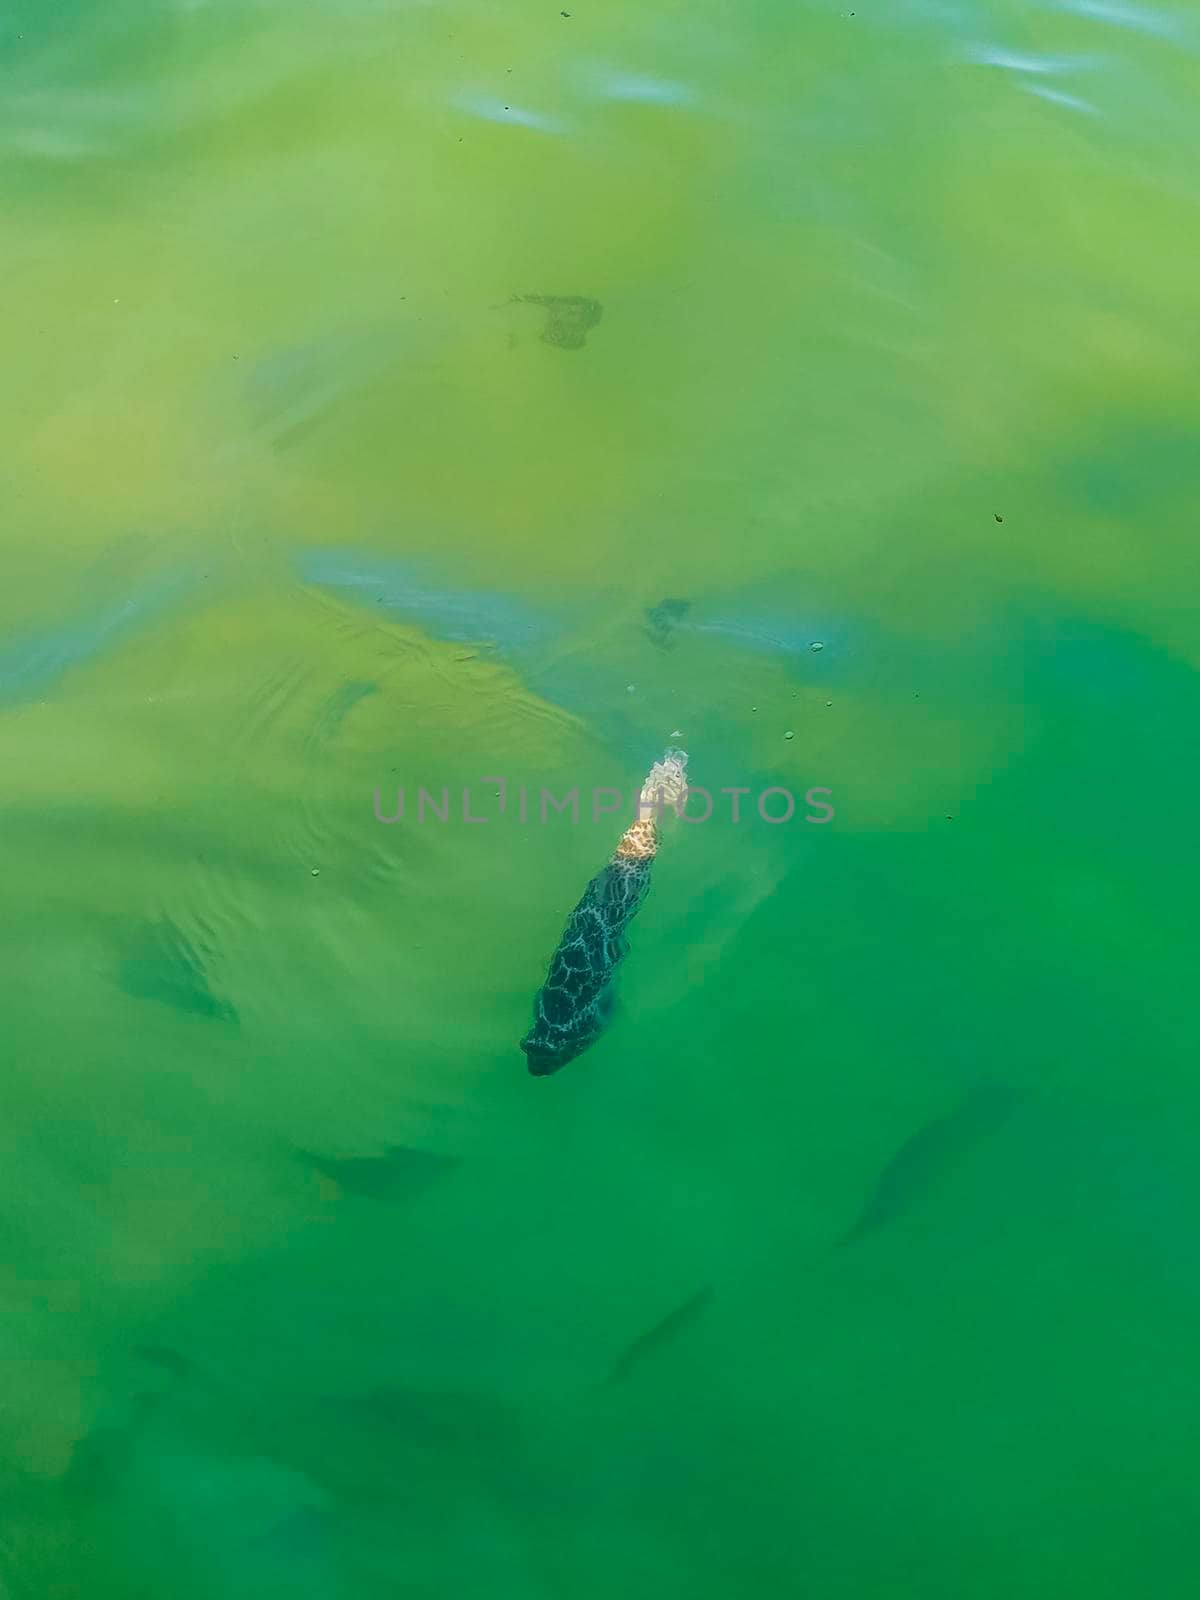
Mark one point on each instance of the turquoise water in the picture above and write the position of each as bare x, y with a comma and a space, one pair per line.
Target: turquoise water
484, 398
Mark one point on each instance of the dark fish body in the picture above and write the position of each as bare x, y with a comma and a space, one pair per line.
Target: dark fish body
575, 1003
925, 1157
662, 1333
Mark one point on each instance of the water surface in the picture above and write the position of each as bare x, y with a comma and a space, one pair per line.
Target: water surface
377, 374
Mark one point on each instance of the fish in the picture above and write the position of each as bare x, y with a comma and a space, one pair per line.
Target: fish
577, 1001
370, 1446
410, 592
336, 710
429, 1417
575, 1004
664, 618
569, 317
396, 1174
161, 1355
100, 1457
664, 1332
162, 964
543, 646
928, 1154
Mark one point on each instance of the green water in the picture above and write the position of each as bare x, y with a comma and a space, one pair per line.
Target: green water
373, 372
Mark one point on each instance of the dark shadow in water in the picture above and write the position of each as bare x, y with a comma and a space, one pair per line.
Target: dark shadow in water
397, 1439
100, 1457
925, 1158
430, 1418
395, 1175
335, 711
569, 317
661, 1334
302, 1536
162, 964
161, 1355
664, 618
542, 646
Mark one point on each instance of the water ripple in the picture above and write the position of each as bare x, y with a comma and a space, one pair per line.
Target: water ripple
612, 83
1014, 61
1059, 97
492, 109
1158, 24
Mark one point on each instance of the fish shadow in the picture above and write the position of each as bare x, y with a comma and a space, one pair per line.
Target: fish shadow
162, 964
397, 1174
930, 1154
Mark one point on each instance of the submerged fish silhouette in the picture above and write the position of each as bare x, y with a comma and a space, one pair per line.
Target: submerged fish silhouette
569, 317
377, 1444
542, 646
929, 1153
100, 1457
662, 1333
664, 618
162, 964
429, 1417
396, 1174
161, 1355
409, 592
337, 708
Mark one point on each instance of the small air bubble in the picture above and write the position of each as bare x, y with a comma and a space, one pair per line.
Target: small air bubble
789, 734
